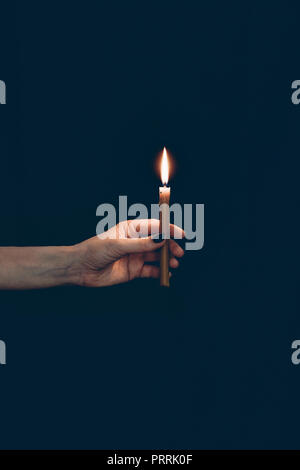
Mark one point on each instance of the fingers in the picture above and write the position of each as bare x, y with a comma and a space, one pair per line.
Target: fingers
151, 271
152, 256
175, 249
143, 227
174, 263
127, 246
155, 256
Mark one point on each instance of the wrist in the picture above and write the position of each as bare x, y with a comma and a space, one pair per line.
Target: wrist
72, 256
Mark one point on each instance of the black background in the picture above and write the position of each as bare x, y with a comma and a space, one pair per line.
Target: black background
94, 91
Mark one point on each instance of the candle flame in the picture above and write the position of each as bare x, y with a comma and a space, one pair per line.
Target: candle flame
164, 170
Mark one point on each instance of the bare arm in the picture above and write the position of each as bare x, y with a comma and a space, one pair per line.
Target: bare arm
93, 263
37, 267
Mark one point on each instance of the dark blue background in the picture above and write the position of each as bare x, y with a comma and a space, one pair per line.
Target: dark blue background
94, 91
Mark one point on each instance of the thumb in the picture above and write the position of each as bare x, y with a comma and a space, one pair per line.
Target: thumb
137, 245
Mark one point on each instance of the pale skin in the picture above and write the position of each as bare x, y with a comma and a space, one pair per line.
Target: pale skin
96, 262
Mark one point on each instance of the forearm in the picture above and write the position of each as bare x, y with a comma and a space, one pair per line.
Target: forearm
37, 267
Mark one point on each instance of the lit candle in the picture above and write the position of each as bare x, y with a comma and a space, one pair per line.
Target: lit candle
164, 217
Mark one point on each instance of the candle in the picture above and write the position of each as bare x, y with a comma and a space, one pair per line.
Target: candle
164, 217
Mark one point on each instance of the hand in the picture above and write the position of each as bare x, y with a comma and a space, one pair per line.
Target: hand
104, 261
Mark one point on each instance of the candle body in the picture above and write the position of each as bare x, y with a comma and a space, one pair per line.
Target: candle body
164, 217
